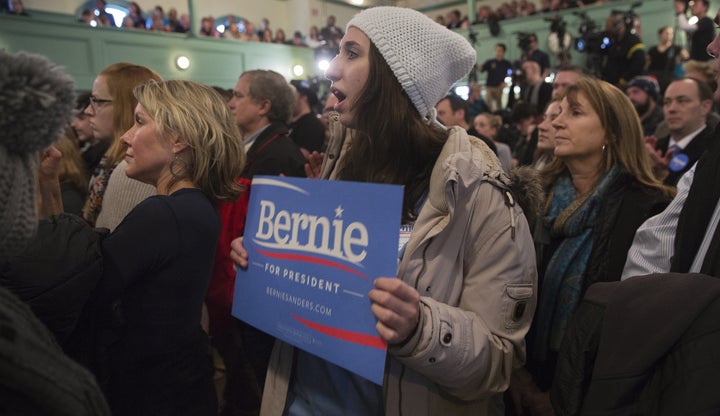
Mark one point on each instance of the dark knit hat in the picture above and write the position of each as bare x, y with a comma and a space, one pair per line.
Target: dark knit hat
648, 84
36, 103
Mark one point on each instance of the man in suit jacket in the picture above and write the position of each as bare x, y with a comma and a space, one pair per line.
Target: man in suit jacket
262, 104
536, 90
685, 106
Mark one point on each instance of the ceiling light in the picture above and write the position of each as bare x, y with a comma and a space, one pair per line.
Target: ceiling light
182, 62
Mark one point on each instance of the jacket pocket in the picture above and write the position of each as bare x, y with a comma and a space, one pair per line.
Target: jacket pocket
517, 304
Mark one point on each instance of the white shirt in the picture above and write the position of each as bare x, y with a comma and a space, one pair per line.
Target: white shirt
682, 22
653, 245
682, 143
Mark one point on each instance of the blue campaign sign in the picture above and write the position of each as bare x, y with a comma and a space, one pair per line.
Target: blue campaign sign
314, 249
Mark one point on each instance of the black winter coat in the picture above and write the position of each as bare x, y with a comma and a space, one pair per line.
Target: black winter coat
644, 346
53, 277
626, 205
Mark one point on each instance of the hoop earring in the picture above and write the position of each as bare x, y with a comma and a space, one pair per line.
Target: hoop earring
173, 166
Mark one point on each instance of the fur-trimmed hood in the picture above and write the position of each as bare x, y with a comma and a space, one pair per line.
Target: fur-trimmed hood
525, 184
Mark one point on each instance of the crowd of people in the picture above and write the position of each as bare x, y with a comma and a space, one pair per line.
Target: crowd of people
545, 240
232, 27
510, 10
242, 29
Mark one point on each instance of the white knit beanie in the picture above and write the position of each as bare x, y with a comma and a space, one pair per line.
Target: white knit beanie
36, 102
426, 57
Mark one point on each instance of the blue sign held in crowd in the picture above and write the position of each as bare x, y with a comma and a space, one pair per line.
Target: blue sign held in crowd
314, 249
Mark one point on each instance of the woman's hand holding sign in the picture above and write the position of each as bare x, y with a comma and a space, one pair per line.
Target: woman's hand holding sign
238, 254
396, 305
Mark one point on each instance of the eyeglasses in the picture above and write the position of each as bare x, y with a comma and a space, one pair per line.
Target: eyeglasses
98, 102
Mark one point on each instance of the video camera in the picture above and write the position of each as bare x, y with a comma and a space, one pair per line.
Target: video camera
524, 40
628, 16
590, 40
557, 25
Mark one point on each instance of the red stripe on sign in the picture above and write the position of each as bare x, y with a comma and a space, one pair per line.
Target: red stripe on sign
310, 259
345, 335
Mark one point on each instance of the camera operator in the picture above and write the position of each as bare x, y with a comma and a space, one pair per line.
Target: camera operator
559, 40
531, 52
700, 33
626, 53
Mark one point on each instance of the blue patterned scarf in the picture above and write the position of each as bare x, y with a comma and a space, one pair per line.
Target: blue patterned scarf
570, 218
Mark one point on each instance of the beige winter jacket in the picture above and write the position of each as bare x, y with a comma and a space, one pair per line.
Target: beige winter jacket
471, 258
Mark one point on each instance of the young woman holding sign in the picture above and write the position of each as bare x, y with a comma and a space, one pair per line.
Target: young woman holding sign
455, 317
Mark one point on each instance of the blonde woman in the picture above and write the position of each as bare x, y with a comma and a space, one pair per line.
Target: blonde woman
143, 318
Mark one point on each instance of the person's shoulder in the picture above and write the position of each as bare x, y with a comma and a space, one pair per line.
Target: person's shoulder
284, 143
167, 207
478, 151
707, 22
503, 147
159, 205
311, 119
642, 196
155, 206
634, 38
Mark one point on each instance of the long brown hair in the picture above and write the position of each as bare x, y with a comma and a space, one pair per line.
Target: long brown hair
623, 133
121, 78
392, 144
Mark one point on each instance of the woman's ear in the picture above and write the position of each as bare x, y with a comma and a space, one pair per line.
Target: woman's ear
178, 146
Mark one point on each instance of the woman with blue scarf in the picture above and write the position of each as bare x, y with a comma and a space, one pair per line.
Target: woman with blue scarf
600, 188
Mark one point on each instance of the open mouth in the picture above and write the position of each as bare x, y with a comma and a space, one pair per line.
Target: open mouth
340, 96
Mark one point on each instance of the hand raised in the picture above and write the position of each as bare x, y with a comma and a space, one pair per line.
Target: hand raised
314, 164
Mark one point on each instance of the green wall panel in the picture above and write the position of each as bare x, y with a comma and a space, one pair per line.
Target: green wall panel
84, 51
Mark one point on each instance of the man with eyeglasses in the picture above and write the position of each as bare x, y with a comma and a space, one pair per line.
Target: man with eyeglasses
262, 104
